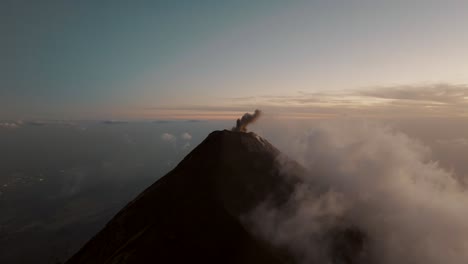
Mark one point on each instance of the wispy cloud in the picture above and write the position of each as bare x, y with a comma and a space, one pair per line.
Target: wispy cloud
429, 94
9, 125
442, 96
433, 100
455, 142
50, 122
162, 121
113, 122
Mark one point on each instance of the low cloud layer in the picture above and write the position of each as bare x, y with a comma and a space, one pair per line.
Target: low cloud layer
378, 180
9, 125
113, 122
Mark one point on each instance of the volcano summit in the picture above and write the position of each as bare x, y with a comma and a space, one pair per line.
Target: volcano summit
195, 213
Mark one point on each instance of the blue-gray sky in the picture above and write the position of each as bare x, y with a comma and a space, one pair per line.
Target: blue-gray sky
153, 59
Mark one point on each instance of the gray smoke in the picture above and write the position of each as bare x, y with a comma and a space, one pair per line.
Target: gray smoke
380, 181
245, 120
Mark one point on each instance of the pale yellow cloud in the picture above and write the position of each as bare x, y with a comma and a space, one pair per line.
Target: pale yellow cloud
437, 100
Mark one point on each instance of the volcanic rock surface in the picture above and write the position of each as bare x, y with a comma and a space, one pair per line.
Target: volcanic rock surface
192, 214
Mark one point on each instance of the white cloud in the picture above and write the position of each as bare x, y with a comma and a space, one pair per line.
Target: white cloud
168, 137
9, 125
379, 180
186, 136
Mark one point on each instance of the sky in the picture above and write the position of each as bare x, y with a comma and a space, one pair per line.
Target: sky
216, 59
74, 75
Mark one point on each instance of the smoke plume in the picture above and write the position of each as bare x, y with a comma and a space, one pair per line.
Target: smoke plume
245, 120
378, 180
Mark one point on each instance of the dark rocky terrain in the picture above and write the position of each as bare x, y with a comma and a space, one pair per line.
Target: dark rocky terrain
192, 215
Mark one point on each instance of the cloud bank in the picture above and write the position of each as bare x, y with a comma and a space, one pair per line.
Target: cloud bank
378, 180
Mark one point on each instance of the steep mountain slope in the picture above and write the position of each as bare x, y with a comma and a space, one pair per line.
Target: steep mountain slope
192, 213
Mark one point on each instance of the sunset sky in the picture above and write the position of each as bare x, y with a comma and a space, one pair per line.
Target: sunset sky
100, 99
215, 59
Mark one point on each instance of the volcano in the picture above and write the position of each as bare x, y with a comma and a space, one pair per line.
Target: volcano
193, 214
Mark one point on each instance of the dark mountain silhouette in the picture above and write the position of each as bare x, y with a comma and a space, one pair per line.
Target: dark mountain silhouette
192, 214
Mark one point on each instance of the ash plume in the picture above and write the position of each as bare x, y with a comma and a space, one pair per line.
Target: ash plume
245, 120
